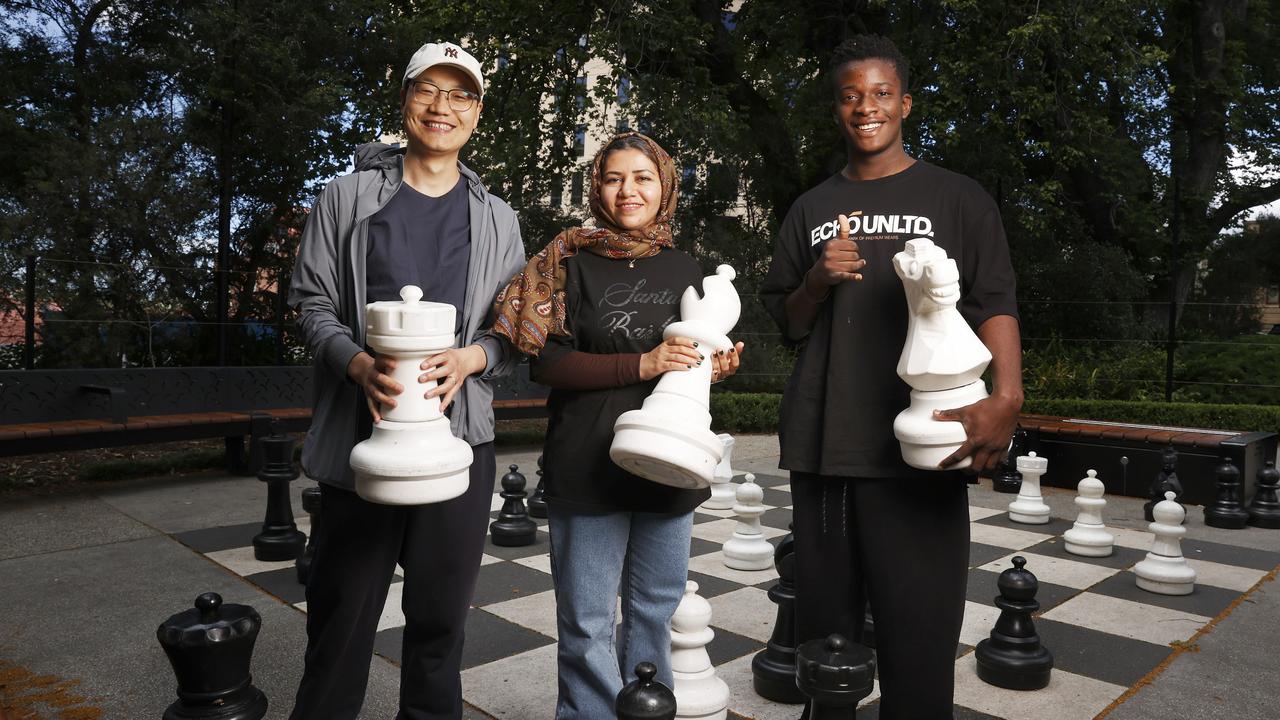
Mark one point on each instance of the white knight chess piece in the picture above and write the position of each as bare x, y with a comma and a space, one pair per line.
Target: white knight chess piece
412, 458
942, 359
668, 439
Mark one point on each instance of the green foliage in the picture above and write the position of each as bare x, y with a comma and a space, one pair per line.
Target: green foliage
745, 412
1243, 370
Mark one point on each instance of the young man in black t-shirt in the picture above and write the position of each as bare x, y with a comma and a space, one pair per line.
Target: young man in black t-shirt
869, 528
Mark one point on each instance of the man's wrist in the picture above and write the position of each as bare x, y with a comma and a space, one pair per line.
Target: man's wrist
806, 288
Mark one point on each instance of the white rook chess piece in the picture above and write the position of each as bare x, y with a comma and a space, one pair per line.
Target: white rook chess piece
412, 458
942, 359
700, 695
1029, 507
722, 493
668, 439
748, 549
1165, 571
1088, 537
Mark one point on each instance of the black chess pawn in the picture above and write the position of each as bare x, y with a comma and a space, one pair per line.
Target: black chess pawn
537, 505
210, 648
773, 669
1264, 511
835, 675
513, 528
1166, 480
1013, 656
1007, 479
280, 538
311, 506
645, 698
1227, 511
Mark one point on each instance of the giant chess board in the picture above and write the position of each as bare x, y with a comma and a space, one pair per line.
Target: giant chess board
1106, 635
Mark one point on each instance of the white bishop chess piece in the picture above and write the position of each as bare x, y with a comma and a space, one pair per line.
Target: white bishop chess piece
1165, 571
668, 439
942, 359
412, 457
1088, 537
1029, 507
700, 695
748, 549
722, 492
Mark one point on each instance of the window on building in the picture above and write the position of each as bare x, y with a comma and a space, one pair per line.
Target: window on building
580, 141
575, 189
557, 193
624, 90
688, 177
1273, 295
580, 92
622, 125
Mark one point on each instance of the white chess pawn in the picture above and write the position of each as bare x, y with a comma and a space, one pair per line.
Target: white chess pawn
1029, 507
668, 439
1088, 537
748, 549
700, 695
1165, 571
722, 493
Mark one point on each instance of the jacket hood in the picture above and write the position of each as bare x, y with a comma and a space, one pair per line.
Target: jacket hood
383, 156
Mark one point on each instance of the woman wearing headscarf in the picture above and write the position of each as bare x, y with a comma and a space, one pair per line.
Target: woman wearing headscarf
590, 310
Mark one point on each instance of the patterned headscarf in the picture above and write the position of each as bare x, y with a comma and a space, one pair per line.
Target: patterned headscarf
531, 306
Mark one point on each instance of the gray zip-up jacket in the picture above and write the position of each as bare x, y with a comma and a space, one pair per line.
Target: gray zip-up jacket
328, 290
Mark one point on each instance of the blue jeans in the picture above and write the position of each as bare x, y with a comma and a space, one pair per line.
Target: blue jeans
594, 558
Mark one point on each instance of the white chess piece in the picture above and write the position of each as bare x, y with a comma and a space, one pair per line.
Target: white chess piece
1165, 571
668, 439
1029, 507
1088, 537
700, 695
722, 492
748, 549
942, 359
412, 458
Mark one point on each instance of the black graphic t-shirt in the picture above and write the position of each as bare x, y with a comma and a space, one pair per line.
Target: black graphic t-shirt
611, 308
844, 392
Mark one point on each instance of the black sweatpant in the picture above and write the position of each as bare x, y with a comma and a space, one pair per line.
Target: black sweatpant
359, 543
904, 542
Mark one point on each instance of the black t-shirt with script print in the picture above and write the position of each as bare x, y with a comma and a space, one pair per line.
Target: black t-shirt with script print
840, 401
610, 307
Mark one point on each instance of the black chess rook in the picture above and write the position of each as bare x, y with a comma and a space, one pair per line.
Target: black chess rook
210, 648
1013, 656
773, 669
1264, 510
280, 538
645, 698
513, 528
1227, 510
835, 675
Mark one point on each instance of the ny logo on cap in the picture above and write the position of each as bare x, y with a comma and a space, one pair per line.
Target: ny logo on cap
451, 52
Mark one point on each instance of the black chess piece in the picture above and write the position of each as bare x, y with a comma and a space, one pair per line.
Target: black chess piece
210, 648
1013, 656
1227, 511
311, 506
1166, 479
280, 538
835, 675
537, 505
513, 528
1264, 511
868, 625
645, 698
1007, 478
773, 669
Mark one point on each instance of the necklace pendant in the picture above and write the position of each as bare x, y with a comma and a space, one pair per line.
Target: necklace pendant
631, 263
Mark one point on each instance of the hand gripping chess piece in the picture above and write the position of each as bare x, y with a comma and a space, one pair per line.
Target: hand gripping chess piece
1088, 537
1029, 507
722, 492
748, 549
942, 359
700, 695
412, 458
1165, 571
669, 439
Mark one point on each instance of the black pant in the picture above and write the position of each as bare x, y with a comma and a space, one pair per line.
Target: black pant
359, 543
905, 544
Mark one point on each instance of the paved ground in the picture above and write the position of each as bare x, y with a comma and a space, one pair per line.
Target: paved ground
85, 580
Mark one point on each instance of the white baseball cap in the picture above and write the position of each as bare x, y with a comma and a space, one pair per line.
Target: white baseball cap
433, 54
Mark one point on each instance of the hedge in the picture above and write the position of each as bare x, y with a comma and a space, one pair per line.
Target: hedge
758, 412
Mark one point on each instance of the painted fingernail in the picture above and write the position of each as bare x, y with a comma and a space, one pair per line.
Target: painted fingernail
695, 344
689, 367
699, 363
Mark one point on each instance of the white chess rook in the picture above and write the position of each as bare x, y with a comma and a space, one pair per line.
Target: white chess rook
412, 458
668, 439
1088, 537
700, 695
942, 359
748, 549
1029, 507
1165, 571
722, 492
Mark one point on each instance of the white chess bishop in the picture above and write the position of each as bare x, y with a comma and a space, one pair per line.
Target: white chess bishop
942, 359
668, 439
412, 457
1165, 571
700, 695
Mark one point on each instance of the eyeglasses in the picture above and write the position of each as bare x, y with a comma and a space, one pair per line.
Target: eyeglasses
460, 100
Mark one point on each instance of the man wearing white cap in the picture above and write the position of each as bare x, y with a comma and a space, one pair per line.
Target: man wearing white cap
406, 216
